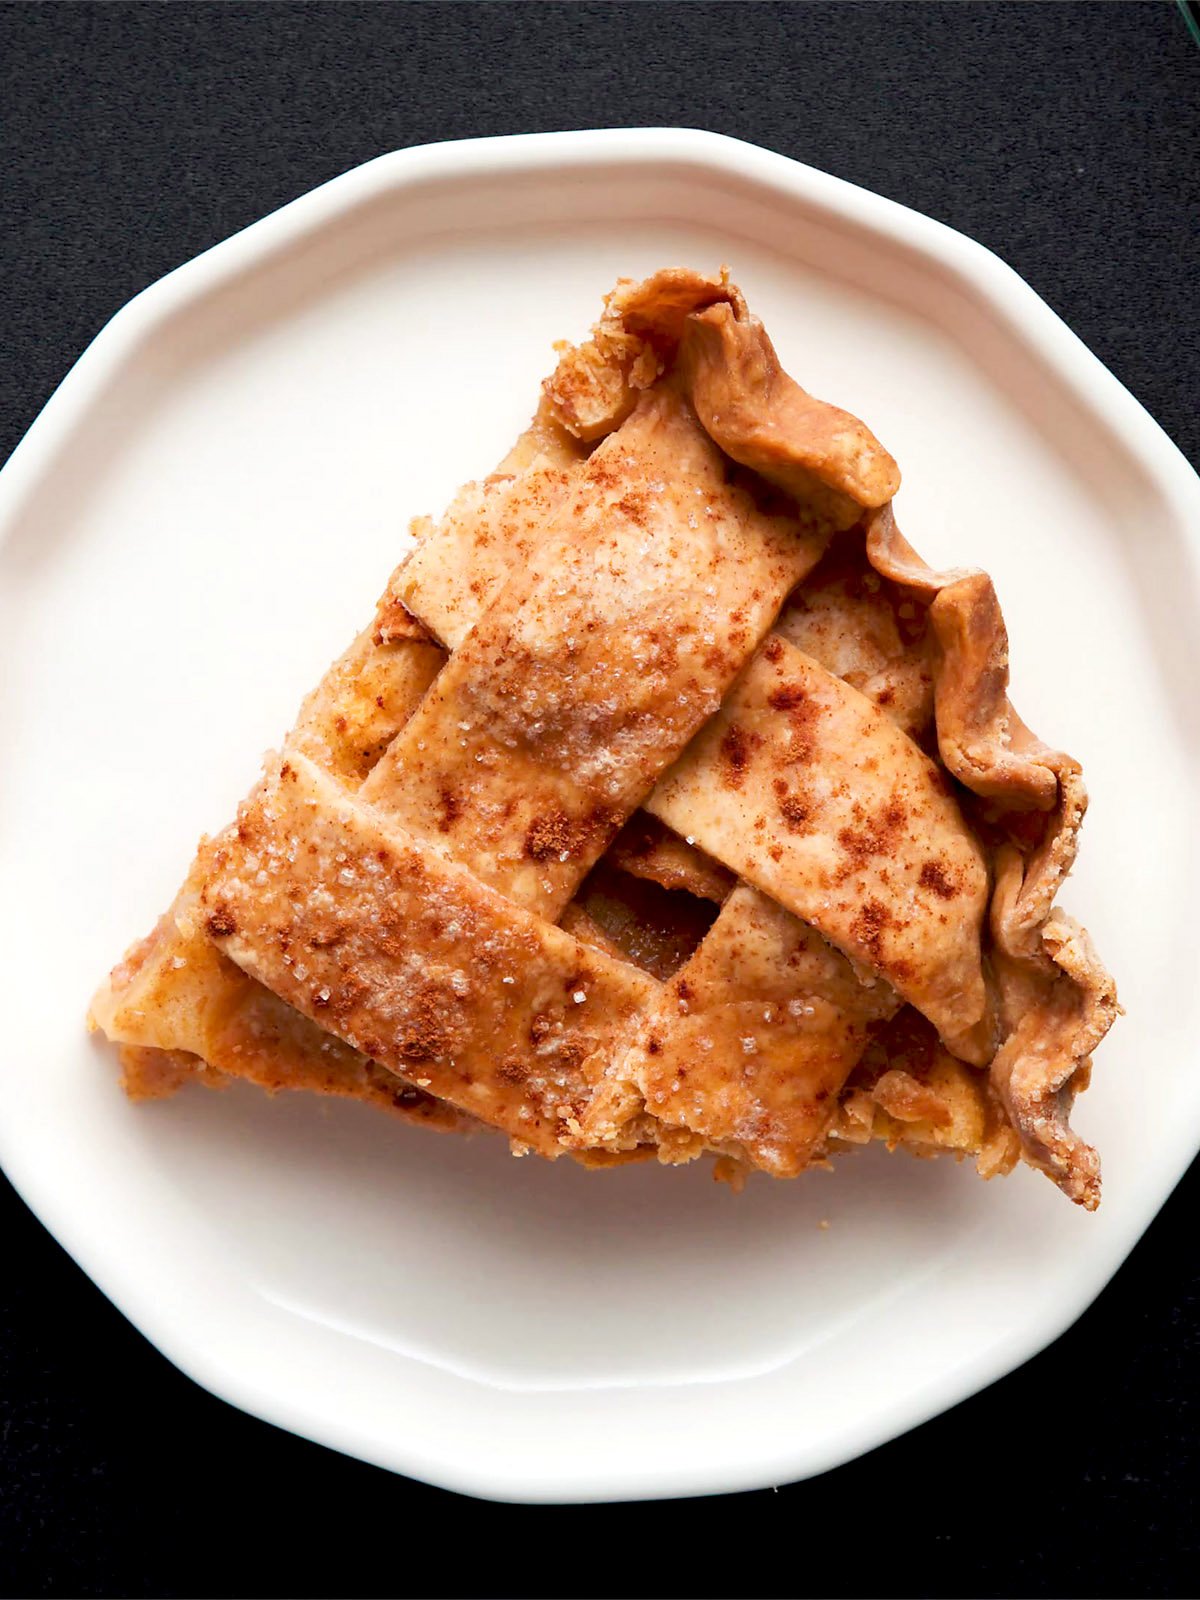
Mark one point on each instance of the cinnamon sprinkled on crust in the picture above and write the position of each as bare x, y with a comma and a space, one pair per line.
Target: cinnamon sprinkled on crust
935, 878
220, 923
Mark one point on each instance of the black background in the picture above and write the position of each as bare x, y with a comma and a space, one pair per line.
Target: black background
1065, 137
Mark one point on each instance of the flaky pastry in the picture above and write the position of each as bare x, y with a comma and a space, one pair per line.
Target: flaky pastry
670, 805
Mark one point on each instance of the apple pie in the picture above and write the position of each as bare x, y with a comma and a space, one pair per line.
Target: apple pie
669, 805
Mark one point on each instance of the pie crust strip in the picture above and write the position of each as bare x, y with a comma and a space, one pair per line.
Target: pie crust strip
411, 960
812, 793
175, 991
748, 1047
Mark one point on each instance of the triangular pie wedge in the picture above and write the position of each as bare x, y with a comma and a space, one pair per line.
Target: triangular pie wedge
669, 806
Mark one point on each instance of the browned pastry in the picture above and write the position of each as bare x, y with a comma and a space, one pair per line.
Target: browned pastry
670, 805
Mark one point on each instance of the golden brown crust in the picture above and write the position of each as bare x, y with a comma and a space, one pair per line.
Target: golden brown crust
606, 596
545, 443
411, 960
868, 630
827, 461
596, 384
1058, 1004
605, 650
489, 530
1057, 1001
177, 987
366, 698
176, 992
822, 457
808, 790
748, 1046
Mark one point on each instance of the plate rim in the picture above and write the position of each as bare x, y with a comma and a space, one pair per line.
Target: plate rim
1023, 316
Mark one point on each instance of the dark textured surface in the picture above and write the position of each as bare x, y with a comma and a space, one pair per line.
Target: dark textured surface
132, 137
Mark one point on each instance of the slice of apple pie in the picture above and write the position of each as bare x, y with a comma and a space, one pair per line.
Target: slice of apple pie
669, 805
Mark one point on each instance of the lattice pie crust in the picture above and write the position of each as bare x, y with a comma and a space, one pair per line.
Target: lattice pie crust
669, 805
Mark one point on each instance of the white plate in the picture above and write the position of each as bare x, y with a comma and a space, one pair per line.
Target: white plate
201, 518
